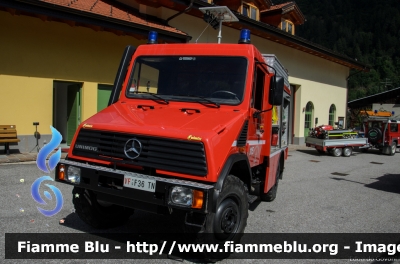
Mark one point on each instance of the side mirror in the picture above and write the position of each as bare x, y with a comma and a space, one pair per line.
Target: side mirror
276, 91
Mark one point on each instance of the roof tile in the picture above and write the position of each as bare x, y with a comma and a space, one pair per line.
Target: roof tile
274, 7
108, 9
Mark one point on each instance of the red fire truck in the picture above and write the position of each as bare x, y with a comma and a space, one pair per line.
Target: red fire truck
188, 129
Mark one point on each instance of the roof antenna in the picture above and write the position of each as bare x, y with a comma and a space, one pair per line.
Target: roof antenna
215, 15
202, 33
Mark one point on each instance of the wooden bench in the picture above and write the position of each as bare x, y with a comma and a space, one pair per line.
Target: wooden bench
8, 134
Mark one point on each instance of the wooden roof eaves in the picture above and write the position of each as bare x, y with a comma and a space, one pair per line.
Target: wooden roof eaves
290, 7
43, 8
300, 14
264, 3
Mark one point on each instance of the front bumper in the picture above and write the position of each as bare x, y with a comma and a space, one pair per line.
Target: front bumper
108, 185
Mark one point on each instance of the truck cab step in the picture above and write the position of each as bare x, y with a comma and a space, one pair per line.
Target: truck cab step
251, 198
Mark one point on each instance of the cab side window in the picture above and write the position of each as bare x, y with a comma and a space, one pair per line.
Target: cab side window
394, 127
258, 88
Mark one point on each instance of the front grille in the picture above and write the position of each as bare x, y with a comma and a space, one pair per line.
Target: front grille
158, 153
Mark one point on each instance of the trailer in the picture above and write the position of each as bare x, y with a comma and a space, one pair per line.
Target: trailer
336, 147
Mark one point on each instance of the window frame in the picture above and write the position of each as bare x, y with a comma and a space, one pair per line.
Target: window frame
287, 23
249, 8
332, 115
136, 72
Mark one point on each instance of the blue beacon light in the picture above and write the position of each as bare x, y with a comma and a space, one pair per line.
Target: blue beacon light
152, 38
244, 37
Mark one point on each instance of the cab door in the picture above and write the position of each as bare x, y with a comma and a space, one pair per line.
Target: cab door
257, 127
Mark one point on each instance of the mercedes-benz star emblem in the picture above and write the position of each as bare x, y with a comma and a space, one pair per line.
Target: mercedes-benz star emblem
133, 148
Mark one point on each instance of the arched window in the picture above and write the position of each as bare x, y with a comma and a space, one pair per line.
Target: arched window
308, 121
332, 113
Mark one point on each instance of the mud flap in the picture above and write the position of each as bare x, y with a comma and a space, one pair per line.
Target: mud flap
386, 150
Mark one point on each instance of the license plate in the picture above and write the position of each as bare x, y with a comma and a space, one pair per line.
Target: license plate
140, 184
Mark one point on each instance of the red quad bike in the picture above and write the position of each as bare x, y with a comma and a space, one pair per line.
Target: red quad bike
383, 133
320, 131
328, 132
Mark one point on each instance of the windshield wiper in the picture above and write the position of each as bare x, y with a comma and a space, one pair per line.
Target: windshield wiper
156, 96
208, 101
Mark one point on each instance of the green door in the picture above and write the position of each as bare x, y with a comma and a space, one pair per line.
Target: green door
308, 118
103, 96
73, 110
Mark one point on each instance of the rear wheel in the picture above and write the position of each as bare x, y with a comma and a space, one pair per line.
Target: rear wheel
347, 151
98, 215
336, 152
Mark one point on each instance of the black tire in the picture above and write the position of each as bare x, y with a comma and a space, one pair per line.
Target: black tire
374, 134
337, 152
271, 194
393, 148
347, 151
229, 220
96, 215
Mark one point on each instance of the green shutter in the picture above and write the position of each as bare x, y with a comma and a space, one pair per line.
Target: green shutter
73, 110
103, 96
308, 118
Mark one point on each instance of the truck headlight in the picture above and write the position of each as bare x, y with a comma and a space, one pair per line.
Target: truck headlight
181, 195
73, 174
186, 197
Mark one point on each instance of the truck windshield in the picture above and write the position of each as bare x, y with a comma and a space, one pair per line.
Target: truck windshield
220, 80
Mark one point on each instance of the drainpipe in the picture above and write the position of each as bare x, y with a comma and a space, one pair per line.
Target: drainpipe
181, 12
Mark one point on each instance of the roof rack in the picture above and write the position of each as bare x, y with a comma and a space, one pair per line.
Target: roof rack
390, 119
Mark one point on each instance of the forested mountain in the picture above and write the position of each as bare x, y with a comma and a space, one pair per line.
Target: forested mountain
365, 30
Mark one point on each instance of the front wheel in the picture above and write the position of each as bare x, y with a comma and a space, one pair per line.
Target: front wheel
229, 220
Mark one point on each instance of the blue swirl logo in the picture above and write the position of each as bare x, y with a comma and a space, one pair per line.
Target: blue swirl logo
46, 150
36, 196
41, 163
